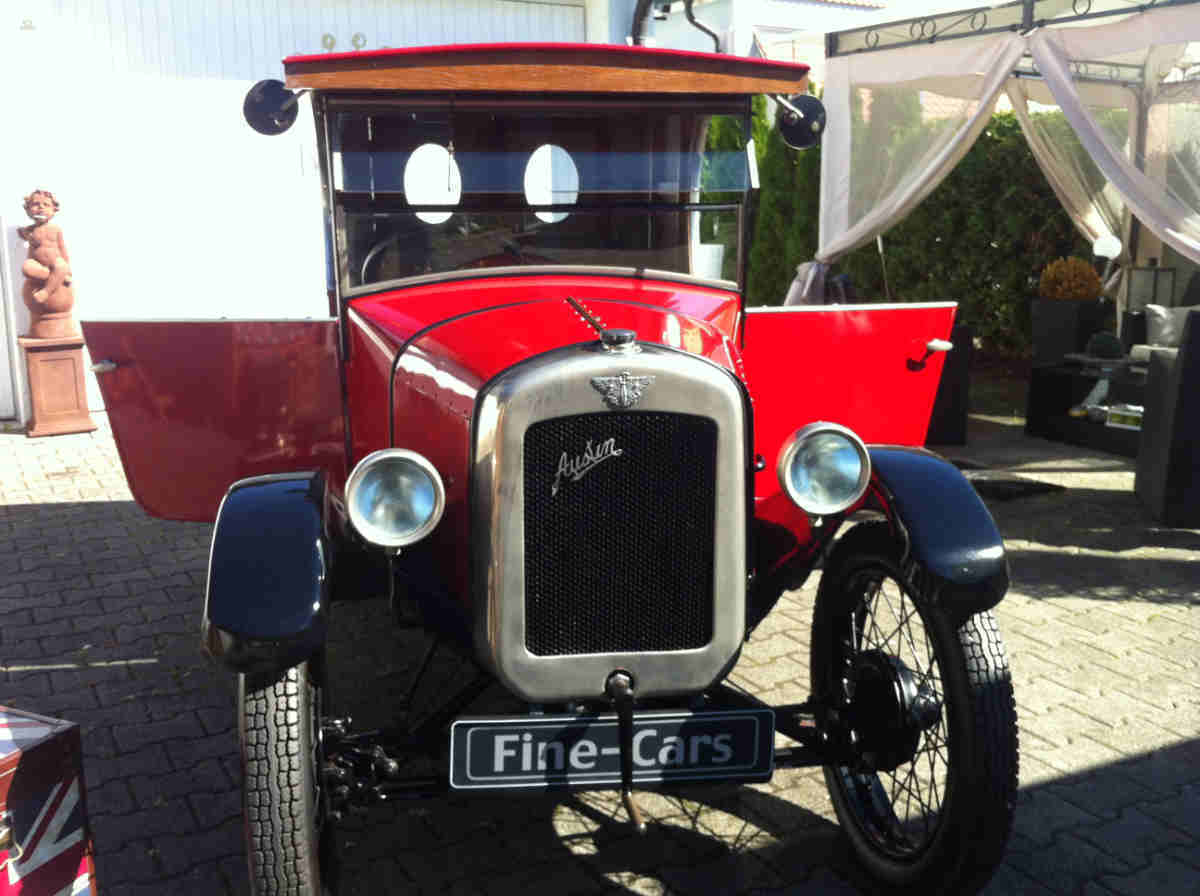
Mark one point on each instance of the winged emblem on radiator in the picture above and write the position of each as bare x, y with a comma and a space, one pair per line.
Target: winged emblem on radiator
622, 391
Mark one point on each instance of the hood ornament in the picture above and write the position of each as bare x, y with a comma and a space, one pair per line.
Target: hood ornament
623, 391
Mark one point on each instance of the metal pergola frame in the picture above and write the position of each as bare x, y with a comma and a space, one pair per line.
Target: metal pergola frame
1019, 16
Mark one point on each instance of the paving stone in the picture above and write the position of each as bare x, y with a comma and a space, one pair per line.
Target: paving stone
1181, 812
1100, 794
1189, 855
111, 798
14, 619
102, 768
82, 676
19, 653
214, 809
125, 864
182, 728
1041, 814
184, 753
1163, 875
1163, 772
29, 685
172, 818
217, 719
1133, 836
1135, 735
67, 646
74, 706
206, 777
1009, 881
1082, 754
1067, 864
27, 597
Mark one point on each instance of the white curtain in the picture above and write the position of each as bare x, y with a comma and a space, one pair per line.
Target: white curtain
1094, 206
899, 120
1160, 181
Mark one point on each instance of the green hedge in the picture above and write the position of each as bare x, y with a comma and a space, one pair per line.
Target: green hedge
981, 238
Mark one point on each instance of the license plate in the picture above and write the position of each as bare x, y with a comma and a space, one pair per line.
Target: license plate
554, 751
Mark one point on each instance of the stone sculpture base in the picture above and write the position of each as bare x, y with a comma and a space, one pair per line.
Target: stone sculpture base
61, 325
56, 382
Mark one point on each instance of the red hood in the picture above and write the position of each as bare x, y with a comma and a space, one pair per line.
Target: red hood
678, 313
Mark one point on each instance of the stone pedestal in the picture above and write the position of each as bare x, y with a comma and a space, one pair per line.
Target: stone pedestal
56, 382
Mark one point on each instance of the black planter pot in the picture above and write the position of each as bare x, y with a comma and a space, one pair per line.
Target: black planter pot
1061, 326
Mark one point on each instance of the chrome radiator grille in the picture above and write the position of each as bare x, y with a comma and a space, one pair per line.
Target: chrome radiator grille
619, 551
609, 530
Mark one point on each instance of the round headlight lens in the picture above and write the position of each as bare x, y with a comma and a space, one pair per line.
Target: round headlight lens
824, 468
394, 497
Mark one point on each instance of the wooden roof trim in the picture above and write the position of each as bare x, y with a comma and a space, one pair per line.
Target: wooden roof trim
545, 68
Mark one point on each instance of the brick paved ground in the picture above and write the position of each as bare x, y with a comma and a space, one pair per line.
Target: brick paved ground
98, 618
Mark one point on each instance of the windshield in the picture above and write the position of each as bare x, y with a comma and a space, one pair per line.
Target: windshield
433, 189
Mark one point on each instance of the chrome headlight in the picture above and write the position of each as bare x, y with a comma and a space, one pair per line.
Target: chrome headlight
824, 468
394, 497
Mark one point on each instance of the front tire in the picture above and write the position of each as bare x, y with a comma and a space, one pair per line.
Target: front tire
279, 729
940, 821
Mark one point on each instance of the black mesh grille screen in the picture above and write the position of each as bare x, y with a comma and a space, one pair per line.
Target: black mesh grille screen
619, 547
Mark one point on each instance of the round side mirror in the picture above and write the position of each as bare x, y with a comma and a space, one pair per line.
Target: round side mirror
270, 108
801, 120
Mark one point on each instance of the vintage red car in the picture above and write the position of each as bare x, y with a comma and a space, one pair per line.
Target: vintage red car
540, 415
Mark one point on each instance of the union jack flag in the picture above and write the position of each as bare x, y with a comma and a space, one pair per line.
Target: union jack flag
45, 849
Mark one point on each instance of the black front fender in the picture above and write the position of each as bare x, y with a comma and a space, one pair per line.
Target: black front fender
267, 594
949, 531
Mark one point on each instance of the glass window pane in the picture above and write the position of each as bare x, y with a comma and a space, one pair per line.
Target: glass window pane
390, 246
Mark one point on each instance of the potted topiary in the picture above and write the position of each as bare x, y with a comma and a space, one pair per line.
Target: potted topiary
1068, 311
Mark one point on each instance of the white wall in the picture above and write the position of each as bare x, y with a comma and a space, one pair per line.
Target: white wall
792, 30
172, 206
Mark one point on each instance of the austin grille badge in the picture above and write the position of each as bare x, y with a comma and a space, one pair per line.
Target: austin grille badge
623, 391
572, 469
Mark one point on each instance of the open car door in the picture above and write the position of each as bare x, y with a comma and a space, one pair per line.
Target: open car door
871, 368
197, 405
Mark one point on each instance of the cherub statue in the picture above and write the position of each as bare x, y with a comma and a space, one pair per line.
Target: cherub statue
47, 292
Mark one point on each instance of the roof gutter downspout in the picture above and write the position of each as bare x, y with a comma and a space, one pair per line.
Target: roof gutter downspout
691, 17
637, 27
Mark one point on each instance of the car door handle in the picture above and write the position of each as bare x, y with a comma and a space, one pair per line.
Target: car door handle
932, 347
104, 366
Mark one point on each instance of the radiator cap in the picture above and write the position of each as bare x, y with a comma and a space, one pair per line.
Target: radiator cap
624, 341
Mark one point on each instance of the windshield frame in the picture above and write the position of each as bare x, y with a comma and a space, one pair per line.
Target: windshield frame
328, 105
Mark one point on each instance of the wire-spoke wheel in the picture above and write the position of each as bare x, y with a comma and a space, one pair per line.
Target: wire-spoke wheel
928, 804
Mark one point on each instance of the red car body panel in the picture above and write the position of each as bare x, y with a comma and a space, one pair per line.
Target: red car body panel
840, 364
197, 405
863, 366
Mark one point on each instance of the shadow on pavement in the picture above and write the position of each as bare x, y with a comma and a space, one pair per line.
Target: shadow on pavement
1132, 825
87, 588
1046, 573
1095, 519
